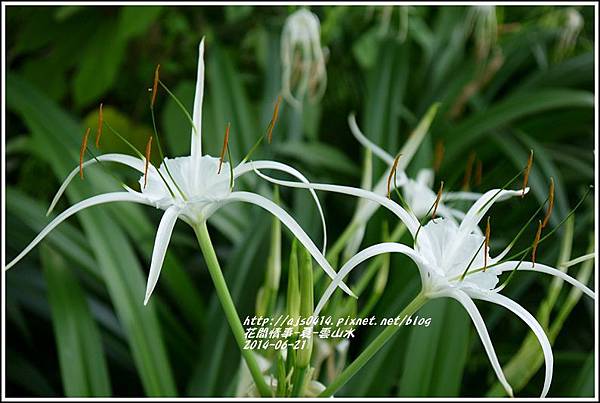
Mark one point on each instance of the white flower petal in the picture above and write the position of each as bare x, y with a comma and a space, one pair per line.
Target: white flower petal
278, 166
473, 312
124, 159
485, 202
451, 196
292, 225
92, 201
354, 261
537, 329
161, 242
408, 219
528, 266
362, 139
196, 146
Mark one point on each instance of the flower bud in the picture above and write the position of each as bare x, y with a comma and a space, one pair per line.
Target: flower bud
306, 305
293, 290
302, 59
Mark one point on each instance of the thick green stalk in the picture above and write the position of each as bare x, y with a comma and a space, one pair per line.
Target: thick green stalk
228, 306
372, 348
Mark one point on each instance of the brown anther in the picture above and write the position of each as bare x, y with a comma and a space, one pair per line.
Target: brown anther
273, 120
225, 145
526, 173
487, 244
155, 85
550, 203
536, 241
100, 121
437, 200
478, 172
468, 171
392, 173
147, 163
438, 155
82, 151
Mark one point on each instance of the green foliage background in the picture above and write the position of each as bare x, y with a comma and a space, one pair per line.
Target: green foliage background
75, 321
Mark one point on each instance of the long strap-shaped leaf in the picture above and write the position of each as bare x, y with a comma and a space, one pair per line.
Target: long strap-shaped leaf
80, 354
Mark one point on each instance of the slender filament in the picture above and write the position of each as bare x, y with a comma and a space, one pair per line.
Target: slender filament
82, 151
526, 173
536, 242
225, 144
392, 172
147, 162
550, 203
100, 121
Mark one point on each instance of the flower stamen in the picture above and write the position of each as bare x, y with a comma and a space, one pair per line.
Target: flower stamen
273, 120
536, 242
392, 173
526, 173
100, 124
155, 85
82, 151
550, 203
147, 162
225, 144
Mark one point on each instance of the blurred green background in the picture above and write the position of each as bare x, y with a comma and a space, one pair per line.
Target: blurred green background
76, 325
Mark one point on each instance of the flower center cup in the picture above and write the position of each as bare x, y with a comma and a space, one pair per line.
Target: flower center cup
446, 255
202, 187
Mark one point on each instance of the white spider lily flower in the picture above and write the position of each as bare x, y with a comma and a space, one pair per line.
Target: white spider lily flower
454, 263
482, 22
302, 59
570, 30
417, 192
192, 189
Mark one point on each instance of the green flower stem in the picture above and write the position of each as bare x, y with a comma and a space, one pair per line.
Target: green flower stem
299, 380
228, 306
373, 348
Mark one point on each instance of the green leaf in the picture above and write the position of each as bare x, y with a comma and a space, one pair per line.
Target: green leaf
319, 157
436, 355
465, 135
99, 64
135, 20
80, 353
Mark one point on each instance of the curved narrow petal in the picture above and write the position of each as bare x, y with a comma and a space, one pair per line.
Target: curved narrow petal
124, 159
354, 261
292, 225
278, 166
92, 201
483, 204
362, 139
538, 267
526, 317
451, 196
161, 242
407, 218
473, 312
196, 146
